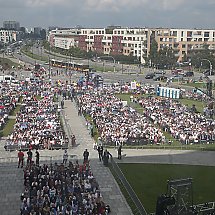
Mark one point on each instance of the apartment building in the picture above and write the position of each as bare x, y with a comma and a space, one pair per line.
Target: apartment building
184, 40
63, 38
8, 36
115, 40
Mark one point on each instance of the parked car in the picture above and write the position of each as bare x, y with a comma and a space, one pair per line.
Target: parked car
160, 78
149, 76
177, 71
188, 74
176, 77
160, 72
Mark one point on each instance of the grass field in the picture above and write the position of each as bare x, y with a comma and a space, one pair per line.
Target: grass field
150, 180
5, 62
8, 128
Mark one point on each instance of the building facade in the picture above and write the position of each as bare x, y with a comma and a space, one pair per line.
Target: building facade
11, 25
132, 41
8, 36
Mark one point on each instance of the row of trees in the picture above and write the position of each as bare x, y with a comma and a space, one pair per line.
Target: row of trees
79, 53
166, 57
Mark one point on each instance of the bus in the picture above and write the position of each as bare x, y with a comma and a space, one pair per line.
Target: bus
69, 65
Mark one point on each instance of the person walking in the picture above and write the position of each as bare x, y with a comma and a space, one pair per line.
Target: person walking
65, 157
86, 156
100, 152
37, 158
20, 158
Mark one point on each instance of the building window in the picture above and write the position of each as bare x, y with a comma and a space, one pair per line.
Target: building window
206, 34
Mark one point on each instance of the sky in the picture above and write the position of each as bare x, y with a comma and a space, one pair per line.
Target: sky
102, 13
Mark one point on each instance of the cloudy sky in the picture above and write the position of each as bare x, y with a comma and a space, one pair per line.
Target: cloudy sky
101, 13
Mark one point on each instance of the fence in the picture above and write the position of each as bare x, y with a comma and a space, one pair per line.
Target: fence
132, 197
5, 161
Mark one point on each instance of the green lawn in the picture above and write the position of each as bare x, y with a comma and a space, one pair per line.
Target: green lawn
8, 128
189, 102
201, 85
150, 180
29, 53
16, 110
5, 62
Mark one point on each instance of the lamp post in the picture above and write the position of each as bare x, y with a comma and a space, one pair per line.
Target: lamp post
49, 68
114, 61
211, 67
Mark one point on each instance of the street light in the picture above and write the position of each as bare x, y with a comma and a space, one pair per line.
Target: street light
211, 67
114, 61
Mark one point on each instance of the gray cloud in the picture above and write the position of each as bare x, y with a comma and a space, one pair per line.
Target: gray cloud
99, 13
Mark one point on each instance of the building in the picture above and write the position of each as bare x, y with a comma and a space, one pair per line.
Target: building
115, 40
8, 36
11, 25
63, 38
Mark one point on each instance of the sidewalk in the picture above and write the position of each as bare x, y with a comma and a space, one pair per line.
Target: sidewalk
109, 187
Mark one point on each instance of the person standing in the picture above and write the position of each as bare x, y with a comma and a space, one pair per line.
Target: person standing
120, 152
65, 157
29, 153
73, 140
100, 152
37, 158
20, 158
86, 156
106, 157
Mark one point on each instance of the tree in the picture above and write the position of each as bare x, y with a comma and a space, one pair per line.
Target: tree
153, 54
196, 57
162, 59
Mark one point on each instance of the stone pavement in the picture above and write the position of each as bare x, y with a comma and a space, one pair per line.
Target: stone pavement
109, 187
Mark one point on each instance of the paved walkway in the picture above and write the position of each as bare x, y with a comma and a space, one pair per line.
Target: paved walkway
109, 188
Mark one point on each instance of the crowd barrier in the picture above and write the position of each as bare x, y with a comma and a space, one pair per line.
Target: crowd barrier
43, 159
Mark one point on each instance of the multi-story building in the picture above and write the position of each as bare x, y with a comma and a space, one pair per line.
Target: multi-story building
133, 41
63, 38
8, 36
11, 25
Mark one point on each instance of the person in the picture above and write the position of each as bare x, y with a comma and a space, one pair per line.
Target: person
29, 153
65, 157
73, 140
100, 151
120, 152
37, 158
21, 158
106, 156
86, 155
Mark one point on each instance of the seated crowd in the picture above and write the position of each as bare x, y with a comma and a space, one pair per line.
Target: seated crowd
8, 100
179, 120
61, 189
37, 125
116, 123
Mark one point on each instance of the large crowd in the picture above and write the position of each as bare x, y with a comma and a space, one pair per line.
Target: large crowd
179, 120
37, 123
61, 189
9, 96
118, 124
